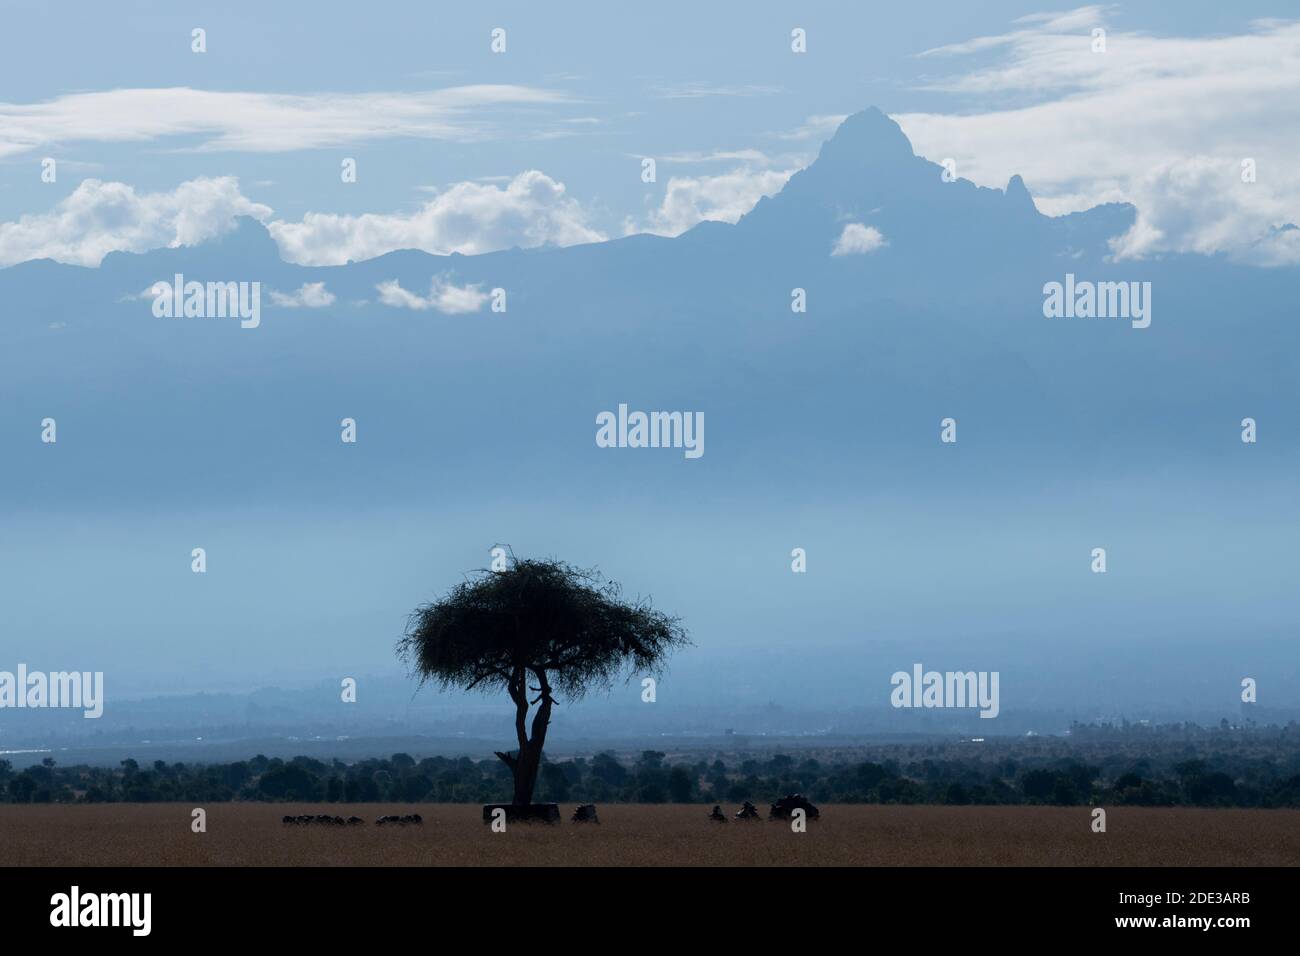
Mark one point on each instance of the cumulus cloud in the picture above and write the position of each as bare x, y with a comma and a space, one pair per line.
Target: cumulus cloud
468, 218
857, 239
1163, 122
99, 218
530, 210
444, 296
263, 122
726, 197
310, 295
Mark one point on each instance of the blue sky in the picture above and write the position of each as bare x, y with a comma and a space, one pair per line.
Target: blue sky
441, 127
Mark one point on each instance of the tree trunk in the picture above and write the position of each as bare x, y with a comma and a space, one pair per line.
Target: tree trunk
528, 761
526, 776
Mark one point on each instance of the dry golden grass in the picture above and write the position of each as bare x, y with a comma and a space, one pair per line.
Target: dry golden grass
242, 834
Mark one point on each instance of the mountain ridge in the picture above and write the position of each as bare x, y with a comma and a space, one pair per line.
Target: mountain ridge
866, 170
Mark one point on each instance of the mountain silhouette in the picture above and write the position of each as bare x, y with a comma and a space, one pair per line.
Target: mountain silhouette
943, 317
822, 431
867, 173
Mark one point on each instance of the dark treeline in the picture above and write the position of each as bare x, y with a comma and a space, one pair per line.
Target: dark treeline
1095, 766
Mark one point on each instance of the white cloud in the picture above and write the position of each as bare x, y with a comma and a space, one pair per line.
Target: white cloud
310, 295
716, 156
468, 218
1163, 122
140, 296
857, 239
263, 122
692, 91
99, 218
726, 197
816, 127
443, 297
1047, 30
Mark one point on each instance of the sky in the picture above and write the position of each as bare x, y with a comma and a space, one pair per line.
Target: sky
462, 149
478, 433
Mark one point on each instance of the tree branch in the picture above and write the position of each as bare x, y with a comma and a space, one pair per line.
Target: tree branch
518, 695
490, 672
543, 716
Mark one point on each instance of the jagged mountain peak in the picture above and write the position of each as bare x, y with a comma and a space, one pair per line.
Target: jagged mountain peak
868, 173
866, 138
1018, 194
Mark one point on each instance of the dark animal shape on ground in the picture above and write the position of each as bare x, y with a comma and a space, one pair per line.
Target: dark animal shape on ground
717, 816
748, 812
586, 813
411, 818
784, 808
319, 819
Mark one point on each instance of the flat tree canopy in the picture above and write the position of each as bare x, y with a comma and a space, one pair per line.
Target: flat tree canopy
539, 626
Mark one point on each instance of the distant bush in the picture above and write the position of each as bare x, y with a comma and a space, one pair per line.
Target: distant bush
1183, 765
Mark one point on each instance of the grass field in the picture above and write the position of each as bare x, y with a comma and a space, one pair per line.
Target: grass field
244, 834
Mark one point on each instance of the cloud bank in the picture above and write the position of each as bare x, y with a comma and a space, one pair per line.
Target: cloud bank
725, 197
1162, 122
262, 122
469, 218
99, 218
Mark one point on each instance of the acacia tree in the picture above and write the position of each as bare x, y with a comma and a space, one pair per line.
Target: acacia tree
537, 627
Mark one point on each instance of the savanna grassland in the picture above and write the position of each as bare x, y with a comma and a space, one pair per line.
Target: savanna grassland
243, 834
